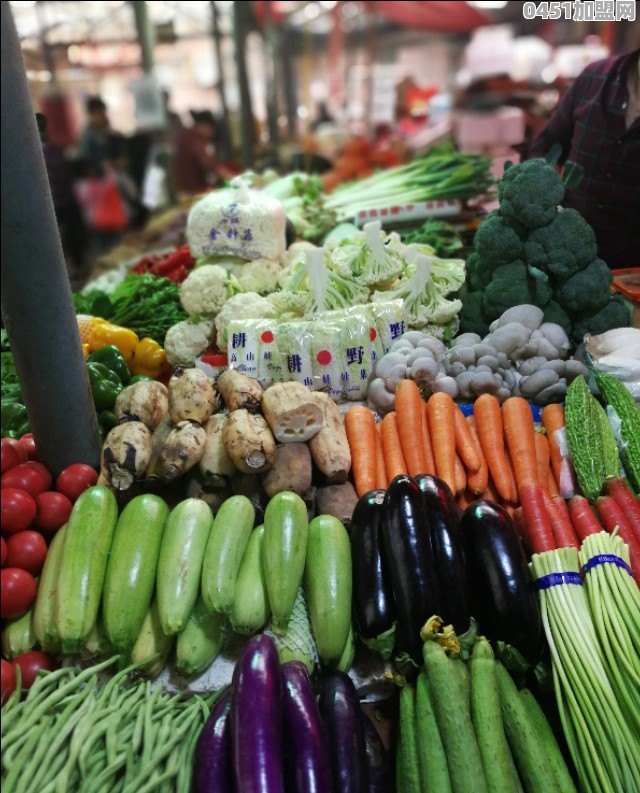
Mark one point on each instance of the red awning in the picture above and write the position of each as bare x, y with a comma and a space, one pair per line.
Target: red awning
448, 16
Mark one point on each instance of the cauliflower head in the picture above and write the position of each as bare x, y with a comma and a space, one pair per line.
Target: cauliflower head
186, 340
206, 289
512, 285
496, 242
563, 247
289, 304
260, 275
586, 292
529, 194
246, 305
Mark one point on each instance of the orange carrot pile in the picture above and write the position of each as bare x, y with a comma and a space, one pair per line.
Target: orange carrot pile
465, 446
441, 412
394, 461
409, 414
628, 503
612, 518
361, 434
536, 518
488, 420
519, 434
561, 527
426, 442
381, 470
460, 474
583, 520
477, 481
553, 421
542, 458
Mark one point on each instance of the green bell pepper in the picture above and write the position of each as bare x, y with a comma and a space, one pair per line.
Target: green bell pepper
140, 378
106, 421
112, 358
14, 420
105, 386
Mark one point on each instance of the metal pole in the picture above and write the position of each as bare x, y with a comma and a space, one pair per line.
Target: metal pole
246, 114
36, 296
217, 40
271, 48
146, 34
287, 45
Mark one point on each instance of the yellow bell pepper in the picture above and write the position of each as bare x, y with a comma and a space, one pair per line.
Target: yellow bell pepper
103, 333
85, 351
149, 358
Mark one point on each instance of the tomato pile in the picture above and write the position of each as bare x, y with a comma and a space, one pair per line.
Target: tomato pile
32, 512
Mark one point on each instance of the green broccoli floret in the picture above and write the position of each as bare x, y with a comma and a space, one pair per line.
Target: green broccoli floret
471, 315
478, 272
587, 291
615, 314
553, 312
529, 194
512, 285
496, 241
563, 247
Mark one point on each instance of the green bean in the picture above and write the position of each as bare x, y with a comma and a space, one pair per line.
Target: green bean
34, 760
108, 772
21, 760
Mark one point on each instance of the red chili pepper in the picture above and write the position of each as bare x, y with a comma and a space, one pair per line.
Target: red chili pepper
178, 275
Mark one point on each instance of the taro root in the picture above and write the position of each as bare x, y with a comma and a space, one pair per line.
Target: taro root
143, 401
126, 454
192, 396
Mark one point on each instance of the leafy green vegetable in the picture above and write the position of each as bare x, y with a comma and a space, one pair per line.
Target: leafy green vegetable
95, 302
441, 236
148, 305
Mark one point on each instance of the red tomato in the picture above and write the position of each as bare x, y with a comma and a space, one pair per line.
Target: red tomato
42, 470
30, 664
75, 479
15, 444
29, 445
17, 591
18, 510
27, 550
3, 551
25, 477
8, 680
10, 457
53, 511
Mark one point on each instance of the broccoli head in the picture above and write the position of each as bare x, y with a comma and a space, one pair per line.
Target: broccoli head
478, 272
587, 291
471, 315
553, 312
615, 314
563, 247
496, 241
529, 194
512, 285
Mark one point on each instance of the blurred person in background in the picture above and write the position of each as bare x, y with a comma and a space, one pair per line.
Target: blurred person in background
597, 124
197, 166
96, 141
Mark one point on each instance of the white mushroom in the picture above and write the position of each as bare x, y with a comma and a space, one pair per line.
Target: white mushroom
537, 382
397, 374
529, 316
435, 345
555, 393
387, 362
424, 370
556, 335
466, 340
445, 385
381, 399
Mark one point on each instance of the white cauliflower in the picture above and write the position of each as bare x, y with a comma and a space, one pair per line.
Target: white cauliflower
246, 305
186, 340
259, 276
206, 289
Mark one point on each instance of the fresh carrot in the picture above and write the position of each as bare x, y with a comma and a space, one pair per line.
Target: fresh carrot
552, 485
488, 420
583, 519
381, 471
409, 420
612, 517
563, 533
519, 434
553, 420
440, 412
361, 434
628, 503
426, 442
460, 474
521, 526
536, 518
464, 499
394, 461
542, 458
465, 446
477, 481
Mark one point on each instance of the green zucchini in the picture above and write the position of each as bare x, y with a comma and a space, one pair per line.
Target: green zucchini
584, 438
180, 562
200, 641
407, 766
18, 636
131, 570
297, 643
83, 565
348, 654
152, 645
44, 622
225, 548
628, 411
328, 586
284, 550
251, 603
97, 644
432, 758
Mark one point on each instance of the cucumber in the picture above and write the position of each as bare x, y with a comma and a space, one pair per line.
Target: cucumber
44, 622
407, 768
18, 636
152, 645
131, 570
180, 562
83, 565
225, 548
432, 758
251, 603
328, 586
200, 641
284, 550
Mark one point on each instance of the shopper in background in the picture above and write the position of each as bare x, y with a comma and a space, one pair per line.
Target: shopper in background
96, 142
197, 167
597, 123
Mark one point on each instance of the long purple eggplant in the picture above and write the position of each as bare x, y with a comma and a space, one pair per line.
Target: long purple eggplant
504, 602
408, 553
448, 551
378, 775
256, 719
342, 718
213, 751
373, 605
305, 747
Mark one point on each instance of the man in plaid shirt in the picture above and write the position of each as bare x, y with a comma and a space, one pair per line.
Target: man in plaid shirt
597, 124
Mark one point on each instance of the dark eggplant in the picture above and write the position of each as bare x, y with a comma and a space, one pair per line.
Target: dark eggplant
408, 553
305, 747
504, 602
378, 775
256, 718
373, 605
212, 762
342, 718
448, 551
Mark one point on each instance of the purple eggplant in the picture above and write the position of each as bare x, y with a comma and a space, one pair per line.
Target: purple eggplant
342, 718
373, 605
213, 751
408, 553
504, 603
378, 775
448, 551
305, 748
256, 719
